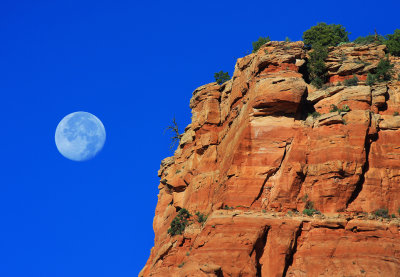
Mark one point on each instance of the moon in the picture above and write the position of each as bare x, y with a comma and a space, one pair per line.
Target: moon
80, 136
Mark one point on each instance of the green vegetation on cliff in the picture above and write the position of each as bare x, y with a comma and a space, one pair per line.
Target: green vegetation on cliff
260, 42
323, 34
316, 66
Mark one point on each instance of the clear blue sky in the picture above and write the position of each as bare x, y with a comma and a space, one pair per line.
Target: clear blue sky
133, 64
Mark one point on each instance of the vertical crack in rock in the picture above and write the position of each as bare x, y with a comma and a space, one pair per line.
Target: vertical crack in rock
292, 250
303, 70
361, 180
219, 273
258, 248
272, 173
305, 107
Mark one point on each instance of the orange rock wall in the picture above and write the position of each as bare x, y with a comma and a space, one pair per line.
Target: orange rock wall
253, 147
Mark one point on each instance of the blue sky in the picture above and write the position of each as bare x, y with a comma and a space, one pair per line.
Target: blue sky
133, 64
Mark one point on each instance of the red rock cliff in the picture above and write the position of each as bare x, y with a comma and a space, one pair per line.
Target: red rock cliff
252, 157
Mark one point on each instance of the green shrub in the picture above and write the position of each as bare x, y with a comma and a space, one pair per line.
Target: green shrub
314, 114
179, 223
201, 218
309, 208
226, 207
260, 42
310, 212
384, 213
395, 113
393, 43
371, 79
351, 82
325, 35
221, 77
393, 216
316, 66
335, 108
370, 39
345, 108
181, 264
287, 39
384, 70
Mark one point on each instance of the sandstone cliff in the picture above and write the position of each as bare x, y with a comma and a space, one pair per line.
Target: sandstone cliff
253, 158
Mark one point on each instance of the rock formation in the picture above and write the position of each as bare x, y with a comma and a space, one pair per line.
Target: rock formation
253, 158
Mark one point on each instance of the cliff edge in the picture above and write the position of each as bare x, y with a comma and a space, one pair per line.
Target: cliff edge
265, 146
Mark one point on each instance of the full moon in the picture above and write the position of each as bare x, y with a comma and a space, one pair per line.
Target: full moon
80, 136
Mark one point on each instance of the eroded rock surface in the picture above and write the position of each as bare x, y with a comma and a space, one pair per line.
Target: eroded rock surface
254, 149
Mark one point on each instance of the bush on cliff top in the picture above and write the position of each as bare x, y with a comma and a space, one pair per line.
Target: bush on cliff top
221, 77
260, 42
325, 35
393, 43
370, 39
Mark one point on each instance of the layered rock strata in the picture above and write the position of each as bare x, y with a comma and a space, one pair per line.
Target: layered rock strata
254, 148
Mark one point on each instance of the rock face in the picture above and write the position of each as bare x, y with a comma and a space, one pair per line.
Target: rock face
254, 158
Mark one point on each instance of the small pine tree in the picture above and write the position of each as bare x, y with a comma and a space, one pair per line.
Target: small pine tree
260, 42
325, 35
317, 67
221, 77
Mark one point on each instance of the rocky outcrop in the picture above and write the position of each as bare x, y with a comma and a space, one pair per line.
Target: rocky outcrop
238, 243
253, 158
351, 59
